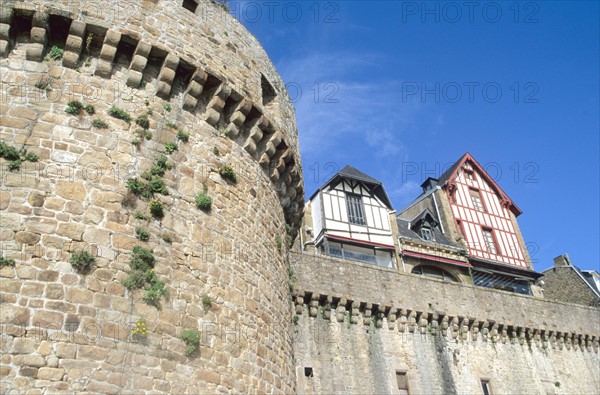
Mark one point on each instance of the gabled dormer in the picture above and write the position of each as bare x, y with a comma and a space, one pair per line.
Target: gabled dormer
350, 217
425, 225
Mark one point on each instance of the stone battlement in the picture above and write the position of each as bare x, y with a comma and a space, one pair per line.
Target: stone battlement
360, 294
249, 111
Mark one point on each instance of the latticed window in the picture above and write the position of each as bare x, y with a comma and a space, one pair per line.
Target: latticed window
355, 209
476, 198
489, 241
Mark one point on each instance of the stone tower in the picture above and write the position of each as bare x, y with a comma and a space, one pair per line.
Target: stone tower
105, 94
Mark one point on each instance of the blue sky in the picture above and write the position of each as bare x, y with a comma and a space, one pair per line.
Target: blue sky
401, 89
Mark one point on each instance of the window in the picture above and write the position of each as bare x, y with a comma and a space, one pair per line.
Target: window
355, 209
378, 257
426, 234
308, 372
485, 386
190, 5
469, 175
489, 241
434, 272
476, 199
402, 382
498, 281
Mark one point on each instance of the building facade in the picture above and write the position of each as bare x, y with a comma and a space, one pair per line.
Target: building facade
461, 311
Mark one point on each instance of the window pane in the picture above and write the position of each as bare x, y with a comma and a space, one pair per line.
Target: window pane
355, 209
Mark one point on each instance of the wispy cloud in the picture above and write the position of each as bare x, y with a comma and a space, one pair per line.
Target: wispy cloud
342, 104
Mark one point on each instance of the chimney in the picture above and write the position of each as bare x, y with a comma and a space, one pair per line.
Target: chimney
562, 260
429, 183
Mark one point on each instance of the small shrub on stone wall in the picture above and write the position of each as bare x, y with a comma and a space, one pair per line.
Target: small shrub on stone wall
191, 338
5, 262
183, 136
74, 107
98, 123
55, 53
170, 147
157, 209
15, 157
203, 202
82, 261
227, 173
119, 113
136, 186
142, 233
206, 302
143, 122
142, 259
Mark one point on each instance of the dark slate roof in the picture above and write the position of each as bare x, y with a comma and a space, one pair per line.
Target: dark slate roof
404, 228
350, 172
589, 278
444, 177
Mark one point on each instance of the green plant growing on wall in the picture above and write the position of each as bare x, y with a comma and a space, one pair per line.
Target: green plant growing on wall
89, 109
155, 291
140, 215
167, 239
142, 233
170, 147
74, 107
136, 185
140, 330
216, 151
6, 262
183, 136
167, 107
171, 124
143, 122
156, 209
119, 113
557, 384
203, 201
160, 166
15, 157
99, 123
295, 319
278, 243
55, 53
191, 338
142, 259
206, 302
148, 135
82, 261
226, 172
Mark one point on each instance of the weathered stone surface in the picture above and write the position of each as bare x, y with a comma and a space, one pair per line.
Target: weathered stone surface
71, 190
4, 200
27, 238
52, 374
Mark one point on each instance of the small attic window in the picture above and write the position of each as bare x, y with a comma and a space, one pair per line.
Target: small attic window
190, 5
426, 234
268, 92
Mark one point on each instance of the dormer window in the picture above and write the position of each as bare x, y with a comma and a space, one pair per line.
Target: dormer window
355, 209
426, 234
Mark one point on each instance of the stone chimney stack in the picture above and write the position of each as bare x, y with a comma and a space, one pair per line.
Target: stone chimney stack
562, 260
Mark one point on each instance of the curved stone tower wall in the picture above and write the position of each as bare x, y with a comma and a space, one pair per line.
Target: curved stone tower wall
225, 270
